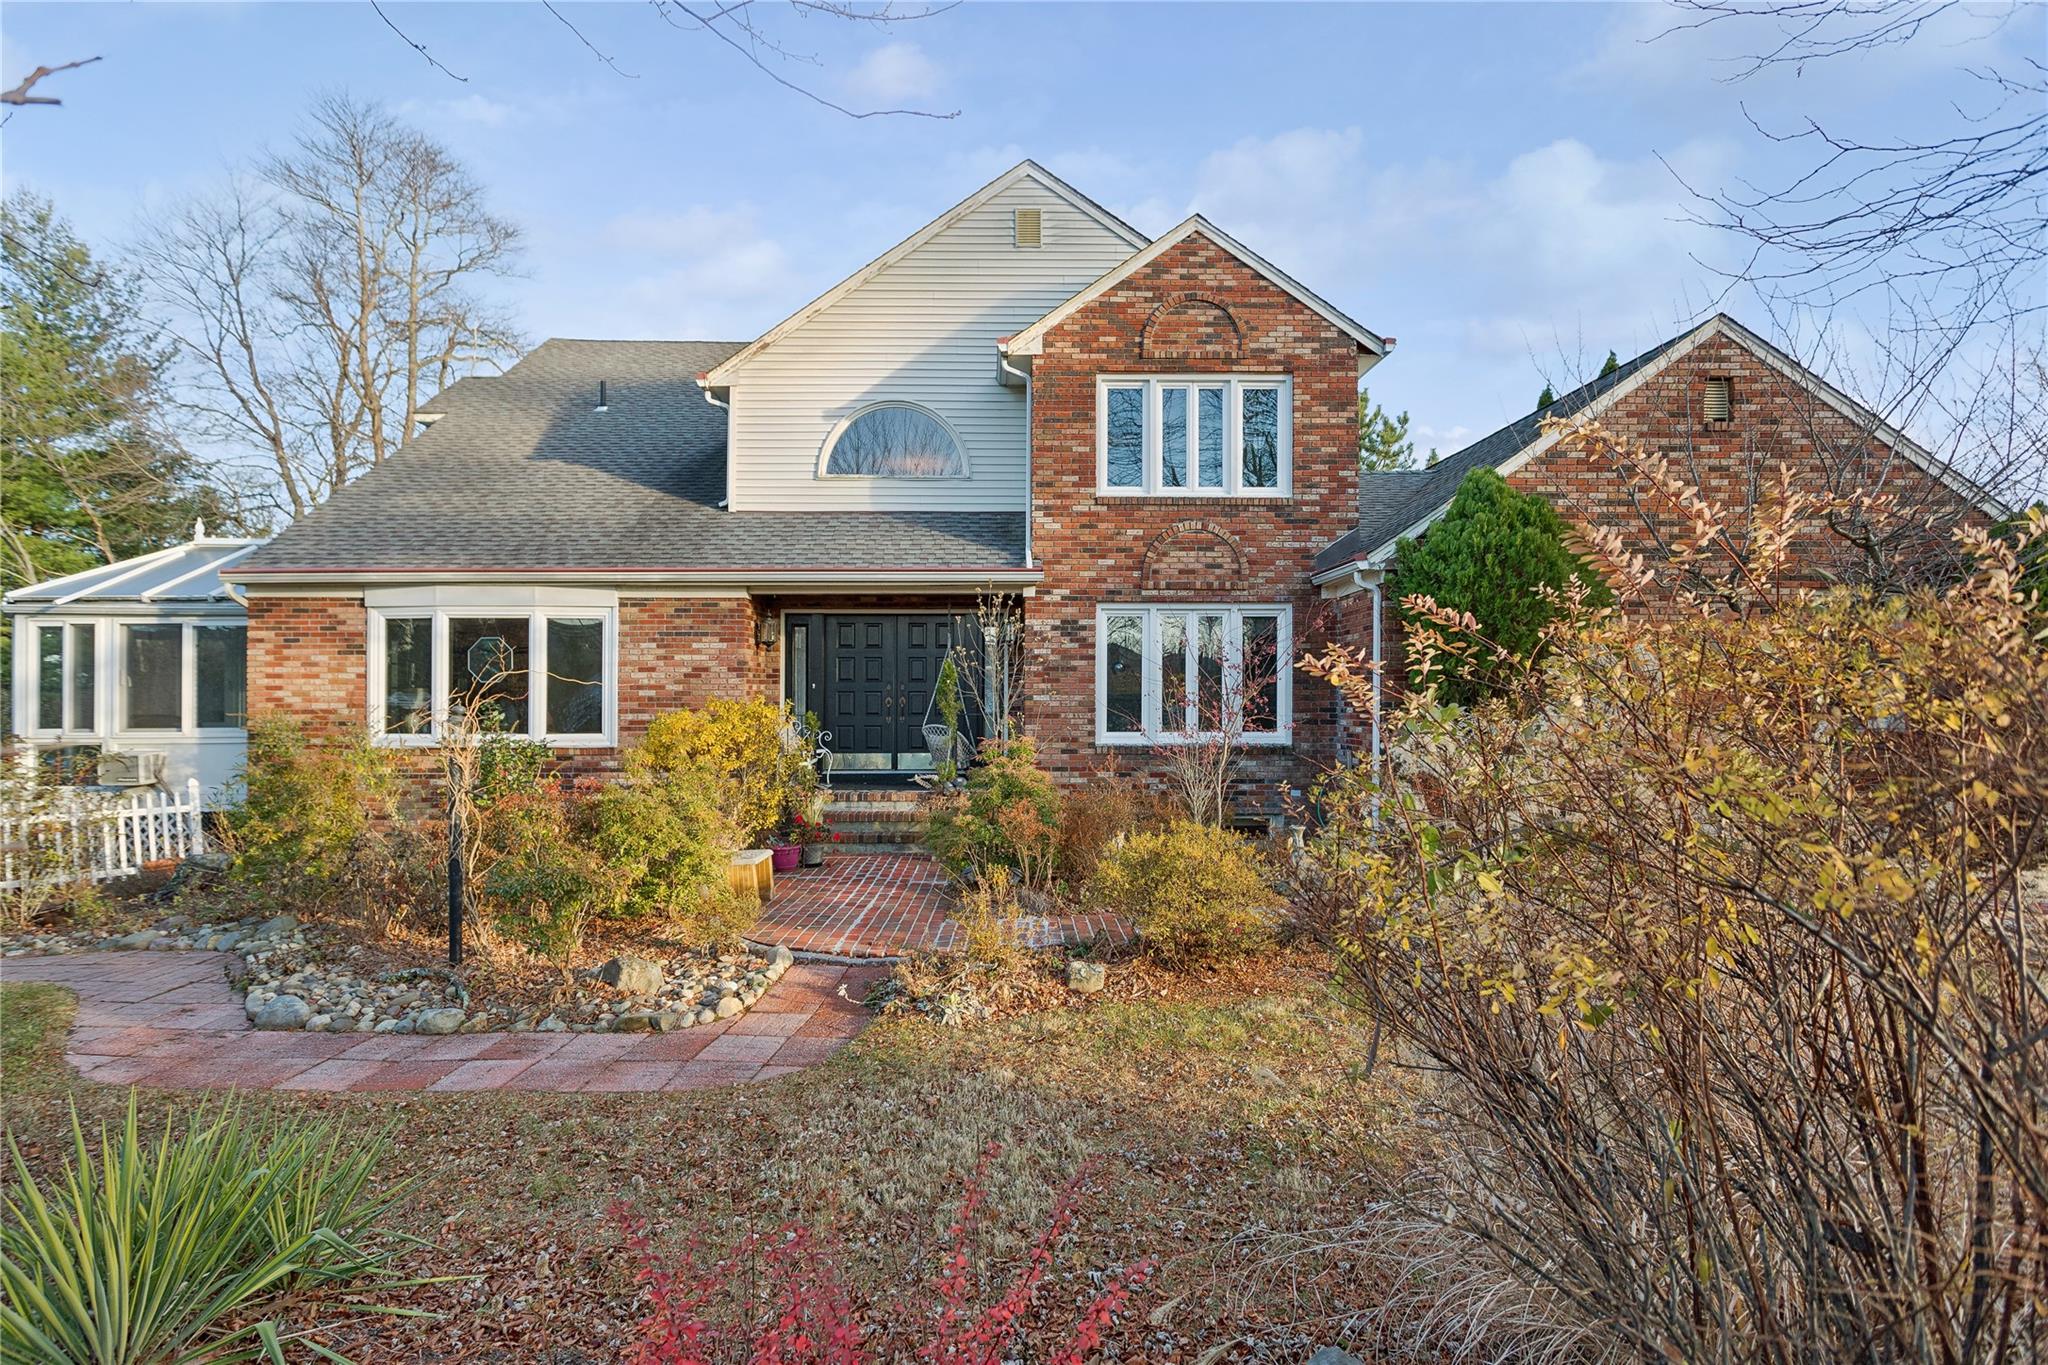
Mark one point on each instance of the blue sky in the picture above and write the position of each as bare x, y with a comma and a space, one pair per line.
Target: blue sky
1493, 184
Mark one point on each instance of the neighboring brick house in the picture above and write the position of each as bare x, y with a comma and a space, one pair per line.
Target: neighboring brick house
1150, 444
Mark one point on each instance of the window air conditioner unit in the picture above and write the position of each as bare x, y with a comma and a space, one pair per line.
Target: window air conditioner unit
133, 768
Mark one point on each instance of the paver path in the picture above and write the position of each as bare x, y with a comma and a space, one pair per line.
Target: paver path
171, 1019
887, 904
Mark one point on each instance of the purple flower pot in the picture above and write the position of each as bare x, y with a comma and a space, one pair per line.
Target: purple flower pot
786, 856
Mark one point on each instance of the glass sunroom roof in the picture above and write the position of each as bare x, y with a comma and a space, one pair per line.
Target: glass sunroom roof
178, 573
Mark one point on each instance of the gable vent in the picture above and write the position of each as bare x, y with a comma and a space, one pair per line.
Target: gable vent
1027, 224
1719, 400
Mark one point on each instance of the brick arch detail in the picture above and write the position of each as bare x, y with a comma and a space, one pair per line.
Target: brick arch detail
1191, 326
1192, 556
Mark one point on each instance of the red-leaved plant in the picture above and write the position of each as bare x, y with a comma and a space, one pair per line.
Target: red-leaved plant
814, 1320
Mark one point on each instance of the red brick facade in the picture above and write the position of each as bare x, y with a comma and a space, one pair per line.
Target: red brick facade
1196, 309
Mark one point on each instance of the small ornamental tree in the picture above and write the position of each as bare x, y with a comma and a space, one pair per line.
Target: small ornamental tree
1491, 558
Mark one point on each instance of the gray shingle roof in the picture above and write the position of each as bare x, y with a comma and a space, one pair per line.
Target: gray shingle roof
521, 472
1390, 503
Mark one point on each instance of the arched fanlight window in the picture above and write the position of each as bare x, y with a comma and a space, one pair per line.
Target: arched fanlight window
896, 441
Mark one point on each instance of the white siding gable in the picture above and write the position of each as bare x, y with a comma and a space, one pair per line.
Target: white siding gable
921, 330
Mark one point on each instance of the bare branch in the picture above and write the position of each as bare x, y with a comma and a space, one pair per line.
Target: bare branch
594, 50
20, 95
418, 47
731, 23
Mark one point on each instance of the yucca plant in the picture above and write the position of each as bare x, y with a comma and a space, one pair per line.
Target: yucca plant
170, 1252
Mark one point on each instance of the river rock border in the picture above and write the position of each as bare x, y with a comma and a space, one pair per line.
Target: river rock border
289, 983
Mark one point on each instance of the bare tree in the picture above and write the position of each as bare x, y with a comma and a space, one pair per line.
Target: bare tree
321, 297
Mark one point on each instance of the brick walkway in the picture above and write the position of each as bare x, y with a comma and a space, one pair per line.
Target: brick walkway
887, 904
170, 1019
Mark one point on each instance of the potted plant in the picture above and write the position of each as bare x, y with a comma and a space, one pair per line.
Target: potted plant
810, 836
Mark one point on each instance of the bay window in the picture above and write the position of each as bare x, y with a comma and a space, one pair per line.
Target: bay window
1179, 674
546, 674
1199, 436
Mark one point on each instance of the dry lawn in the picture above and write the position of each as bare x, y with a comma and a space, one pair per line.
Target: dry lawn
1210, 1113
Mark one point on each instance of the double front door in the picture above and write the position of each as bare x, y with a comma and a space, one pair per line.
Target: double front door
868, 678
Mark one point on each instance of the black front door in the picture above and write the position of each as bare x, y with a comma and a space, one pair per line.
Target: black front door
869, 680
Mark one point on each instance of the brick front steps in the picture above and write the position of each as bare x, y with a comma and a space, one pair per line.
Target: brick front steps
879, 819
172, 1020
885, 905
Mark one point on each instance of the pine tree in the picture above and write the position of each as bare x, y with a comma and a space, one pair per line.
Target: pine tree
1546, 398
1612, 364
1383, 441
88, 474
1487, 556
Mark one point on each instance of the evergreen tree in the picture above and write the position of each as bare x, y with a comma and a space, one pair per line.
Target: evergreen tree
1383, 441
1612, 364
1487, 556
1546, 398
87, 472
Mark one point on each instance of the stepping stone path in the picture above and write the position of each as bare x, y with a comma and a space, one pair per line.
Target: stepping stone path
171, 1020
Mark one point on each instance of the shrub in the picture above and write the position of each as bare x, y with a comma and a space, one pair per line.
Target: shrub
166, 1253
1093, 816
1712, 929
1197, 894
1008, 817
1489, 556
546, 883
749, 749
315, 814
812, 1318
664, 841
716, 917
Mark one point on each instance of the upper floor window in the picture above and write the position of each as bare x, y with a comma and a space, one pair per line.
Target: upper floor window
895, 441
1199, 436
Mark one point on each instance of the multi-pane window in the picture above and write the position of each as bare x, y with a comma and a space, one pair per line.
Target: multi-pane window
1217, 436
543, 674
1169, 674
161, 677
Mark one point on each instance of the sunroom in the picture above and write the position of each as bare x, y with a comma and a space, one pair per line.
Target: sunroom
135, 673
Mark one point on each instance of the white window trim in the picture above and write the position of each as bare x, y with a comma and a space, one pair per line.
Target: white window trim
839, 429
1233, 613
1233, 386
537, 616
110, 683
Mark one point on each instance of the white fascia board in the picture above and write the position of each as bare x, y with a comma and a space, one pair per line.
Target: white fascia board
1031, 340
1346, 579
721, 375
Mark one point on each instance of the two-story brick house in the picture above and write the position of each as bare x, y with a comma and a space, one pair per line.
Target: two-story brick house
1151, 445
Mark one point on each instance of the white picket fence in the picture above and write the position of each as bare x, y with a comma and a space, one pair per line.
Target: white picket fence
74, 833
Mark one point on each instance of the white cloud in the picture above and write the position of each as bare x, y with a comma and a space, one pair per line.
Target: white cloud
894, 74
478, 110
697, 272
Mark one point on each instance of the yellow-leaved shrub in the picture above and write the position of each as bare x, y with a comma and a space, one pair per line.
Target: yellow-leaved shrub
1197, 894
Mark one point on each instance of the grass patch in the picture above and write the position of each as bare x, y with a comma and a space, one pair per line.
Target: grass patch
33, 1018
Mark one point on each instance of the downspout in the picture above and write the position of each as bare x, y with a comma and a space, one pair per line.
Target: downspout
724, 503
1003, 361
1378, 661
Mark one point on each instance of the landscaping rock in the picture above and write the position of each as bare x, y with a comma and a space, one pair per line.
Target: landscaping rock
283, 1012
1086, 977
780, 958
707, 1016
728, 1007
142, 938
633, 974
653, 1021
1330, 1355
277, 926
437, 1021
551, 1025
